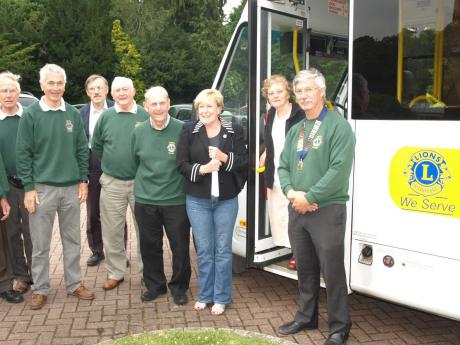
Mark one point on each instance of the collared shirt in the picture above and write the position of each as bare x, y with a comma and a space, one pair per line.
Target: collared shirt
45, 106
133, 109
94, 115
18, 113
164, 126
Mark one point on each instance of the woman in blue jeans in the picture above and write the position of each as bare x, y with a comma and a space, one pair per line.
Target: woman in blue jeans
212, 157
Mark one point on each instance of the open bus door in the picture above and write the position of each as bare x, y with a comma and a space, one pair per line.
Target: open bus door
273, 37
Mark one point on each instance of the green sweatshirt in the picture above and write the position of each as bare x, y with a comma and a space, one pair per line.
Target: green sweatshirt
327, 167
8, 133
51, 147
111, 141
158, 180
4, 186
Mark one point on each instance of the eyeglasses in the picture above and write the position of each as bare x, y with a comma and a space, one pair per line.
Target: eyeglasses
273, 93
307, 90
8, 91
96, 88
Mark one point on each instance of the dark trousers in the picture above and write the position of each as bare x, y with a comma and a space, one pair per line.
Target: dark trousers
18, 232
151, 220
6, 273
317, 240
93, 225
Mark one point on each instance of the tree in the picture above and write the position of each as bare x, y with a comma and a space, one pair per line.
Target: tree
77, 36
129, 58
21, 29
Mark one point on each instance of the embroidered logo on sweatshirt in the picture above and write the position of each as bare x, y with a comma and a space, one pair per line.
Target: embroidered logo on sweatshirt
171, 147
69, 126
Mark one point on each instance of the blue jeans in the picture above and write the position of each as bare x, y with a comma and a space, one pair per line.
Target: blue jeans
212, 225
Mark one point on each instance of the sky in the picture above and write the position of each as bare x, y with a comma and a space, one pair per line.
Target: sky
229, 5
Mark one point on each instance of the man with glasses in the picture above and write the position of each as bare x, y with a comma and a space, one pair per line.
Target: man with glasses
111, 143
314, 171
97, 89
52, 163
17, 225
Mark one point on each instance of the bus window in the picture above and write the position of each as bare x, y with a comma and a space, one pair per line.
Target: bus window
409, 55
234, 86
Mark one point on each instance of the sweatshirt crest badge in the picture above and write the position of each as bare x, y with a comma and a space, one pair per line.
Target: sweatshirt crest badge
69, 126
171, 147
317, 141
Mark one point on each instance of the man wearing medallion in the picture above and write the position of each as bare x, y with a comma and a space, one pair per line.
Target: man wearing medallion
160, 199
314, 171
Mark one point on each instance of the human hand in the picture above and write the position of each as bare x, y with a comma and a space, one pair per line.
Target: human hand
300, 203
82, 192
31, 200
216, 153
5, 208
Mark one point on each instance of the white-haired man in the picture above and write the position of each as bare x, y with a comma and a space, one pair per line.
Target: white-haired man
160, 199
17, 225
52, 163
111, 143
314, 171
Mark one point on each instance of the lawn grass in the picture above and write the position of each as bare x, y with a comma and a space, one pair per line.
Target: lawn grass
195, 337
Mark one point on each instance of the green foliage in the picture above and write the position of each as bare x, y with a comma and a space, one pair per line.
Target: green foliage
77, 37
21, 29
129, 58
195, 337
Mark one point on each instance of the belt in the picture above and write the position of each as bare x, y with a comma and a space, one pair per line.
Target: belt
16, 182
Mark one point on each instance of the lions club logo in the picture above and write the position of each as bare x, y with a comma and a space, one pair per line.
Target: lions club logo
427, 172
171, 147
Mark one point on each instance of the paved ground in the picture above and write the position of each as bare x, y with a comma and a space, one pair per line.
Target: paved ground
261, 302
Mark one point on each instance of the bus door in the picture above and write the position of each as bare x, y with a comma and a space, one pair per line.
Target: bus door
270, 39
405, 72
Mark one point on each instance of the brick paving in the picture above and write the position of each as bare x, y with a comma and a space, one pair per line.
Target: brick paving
261, 302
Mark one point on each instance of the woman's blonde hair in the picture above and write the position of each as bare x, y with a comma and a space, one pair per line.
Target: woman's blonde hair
209, 94
276, 79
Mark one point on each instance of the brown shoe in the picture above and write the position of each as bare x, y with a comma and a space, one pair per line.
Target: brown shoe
112, 283
38, 301
83, 293
21, 287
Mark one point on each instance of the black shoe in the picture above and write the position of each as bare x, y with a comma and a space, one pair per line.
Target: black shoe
338, 338
180, 299
12, 296
95, 259
295, 327
150, 295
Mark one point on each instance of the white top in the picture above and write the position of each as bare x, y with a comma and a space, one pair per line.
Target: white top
45, 106
133, 109
3, 116
279, 137
94, 115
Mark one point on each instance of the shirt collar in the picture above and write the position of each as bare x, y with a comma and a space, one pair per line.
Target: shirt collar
45, 106
133, 109
165, 125
3, 116
92, 109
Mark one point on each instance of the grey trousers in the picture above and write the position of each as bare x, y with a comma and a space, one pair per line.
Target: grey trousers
317, 240
64, 201
17, 228
116, 195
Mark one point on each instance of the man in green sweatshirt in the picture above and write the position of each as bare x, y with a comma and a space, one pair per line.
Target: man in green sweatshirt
160, 199
52, 163
111, 143
6, 274
17, 225
314, 171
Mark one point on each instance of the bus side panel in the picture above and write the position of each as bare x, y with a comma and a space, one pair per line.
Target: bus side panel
414, 249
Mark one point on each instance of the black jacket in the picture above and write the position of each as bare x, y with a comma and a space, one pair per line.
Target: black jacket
193, 152
296, 116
